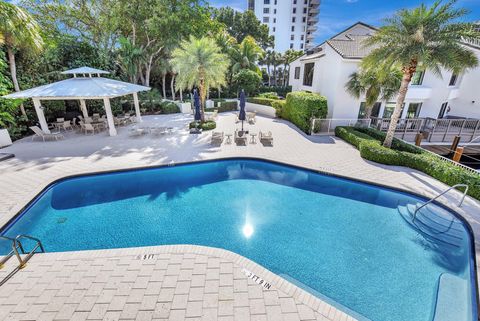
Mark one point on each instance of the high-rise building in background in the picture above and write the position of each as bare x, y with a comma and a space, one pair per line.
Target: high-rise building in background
292, 22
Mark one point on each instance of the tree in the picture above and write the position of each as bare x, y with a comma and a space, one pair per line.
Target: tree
288, 57
130, 58
243, 24
200, 63
422, 37
375, 84
276, 61
7, 106
18, 30
247, 80
246, 55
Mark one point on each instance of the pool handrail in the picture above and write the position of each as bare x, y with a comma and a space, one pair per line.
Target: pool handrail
442, 193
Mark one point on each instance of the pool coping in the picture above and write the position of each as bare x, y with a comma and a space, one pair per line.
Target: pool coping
4, 223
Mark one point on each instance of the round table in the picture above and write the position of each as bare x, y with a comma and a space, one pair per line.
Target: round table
229, 139
253, 139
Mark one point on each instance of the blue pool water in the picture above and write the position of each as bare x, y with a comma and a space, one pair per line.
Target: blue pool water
343, 239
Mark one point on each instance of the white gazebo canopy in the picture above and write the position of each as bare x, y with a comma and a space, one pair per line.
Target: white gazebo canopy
81, 88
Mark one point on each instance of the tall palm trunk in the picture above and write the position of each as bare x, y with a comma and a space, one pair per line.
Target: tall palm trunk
172, 87
275, 75
181, 95
408, 72
269, 76
203, 95
164, 90
13, 72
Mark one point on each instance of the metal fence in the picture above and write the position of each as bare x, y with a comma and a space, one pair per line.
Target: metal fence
326, 126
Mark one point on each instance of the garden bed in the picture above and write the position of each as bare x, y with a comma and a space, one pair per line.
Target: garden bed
369, 142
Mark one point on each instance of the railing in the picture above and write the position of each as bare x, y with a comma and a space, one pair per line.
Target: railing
326, 126
434, 130
441, 194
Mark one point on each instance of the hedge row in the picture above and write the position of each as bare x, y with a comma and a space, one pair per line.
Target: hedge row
224, 106
301, 106
262, 101
369, 142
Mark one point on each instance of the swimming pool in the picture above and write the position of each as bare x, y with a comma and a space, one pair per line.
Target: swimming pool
344, 240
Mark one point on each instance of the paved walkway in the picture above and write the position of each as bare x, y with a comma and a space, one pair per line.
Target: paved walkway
37, 164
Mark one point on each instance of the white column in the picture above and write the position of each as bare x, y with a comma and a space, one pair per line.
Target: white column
111, 125
41, 116
137, 107
83, 107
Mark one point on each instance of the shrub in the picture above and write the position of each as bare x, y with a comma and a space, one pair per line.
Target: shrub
169, 107
278, 105
280, 90
270, 95
247, 80
208, 125
225, 106
301, 106
369, 142
262, 101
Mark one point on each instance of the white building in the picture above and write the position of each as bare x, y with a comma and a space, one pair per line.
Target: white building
291, 22
327, 67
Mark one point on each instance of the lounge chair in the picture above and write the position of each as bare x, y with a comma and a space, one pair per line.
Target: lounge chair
88, 128
240, 137
59, 120
217, 138
39, 133
266, 137
67, 125
137, 131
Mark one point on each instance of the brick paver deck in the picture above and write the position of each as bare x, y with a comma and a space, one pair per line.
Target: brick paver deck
114, 284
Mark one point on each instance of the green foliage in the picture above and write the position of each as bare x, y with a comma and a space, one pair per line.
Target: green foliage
168, 107
53, 109
262, 101
207, 125
227, 106
280, 90
301, 106
369, 141
246, 55
8, 107
247, 80
242, 24
279, 105
270, 95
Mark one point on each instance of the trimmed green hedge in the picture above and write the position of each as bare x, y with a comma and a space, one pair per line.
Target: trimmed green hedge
301, 106
279, 105
224, 106
262, 101
208, 125
369, 142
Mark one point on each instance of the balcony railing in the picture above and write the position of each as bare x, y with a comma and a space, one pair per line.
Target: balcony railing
434, 130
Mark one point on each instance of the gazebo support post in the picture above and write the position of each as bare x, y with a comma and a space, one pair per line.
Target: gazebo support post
83, 107
111, 125
137, 107
40, 115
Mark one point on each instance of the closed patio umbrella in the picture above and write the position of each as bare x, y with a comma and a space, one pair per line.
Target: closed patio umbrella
241, 115
196, 104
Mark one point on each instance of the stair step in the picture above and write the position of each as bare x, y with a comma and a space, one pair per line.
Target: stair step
438, 215
435, 227
430, 232
452, 299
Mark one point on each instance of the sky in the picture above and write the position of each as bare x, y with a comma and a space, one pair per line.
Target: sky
336, 15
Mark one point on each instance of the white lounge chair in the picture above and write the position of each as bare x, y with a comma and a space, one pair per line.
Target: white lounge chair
88, 128
266, 137
241, 137
137, 131
67, 125
217, 138
39, 133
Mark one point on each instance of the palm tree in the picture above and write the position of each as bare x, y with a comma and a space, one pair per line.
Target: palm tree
200, 63
130, 57
246, 55
288, 57
18, 30
268, 62
375, 84
276, 61
429, 38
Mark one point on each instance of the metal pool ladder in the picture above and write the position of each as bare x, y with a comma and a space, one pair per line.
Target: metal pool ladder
442, 193
17, 250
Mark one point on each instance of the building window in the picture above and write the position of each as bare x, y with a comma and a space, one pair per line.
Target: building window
304, 10
302, 37
293, 28
374, 113
308, 74
274, 11
301, 46
291, 46
389, 108
304, 19
453, 80
414, 110
305, 2
417, 77
293, 19
294, 10
297, 73
266, 1
274, 20
443, 110
266, 19
274, 29
275, 2
266, 10
294, 1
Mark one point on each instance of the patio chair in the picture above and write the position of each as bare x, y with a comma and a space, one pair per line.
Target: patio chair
251, 117
60, 120
67, 125
266, 137
88, 128
217, 138
240, 137
39, 133
88, 120
137, 131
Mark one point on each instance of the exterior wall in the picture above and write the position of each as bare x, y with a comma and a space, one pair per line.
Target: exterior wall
332, 72
282, 26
